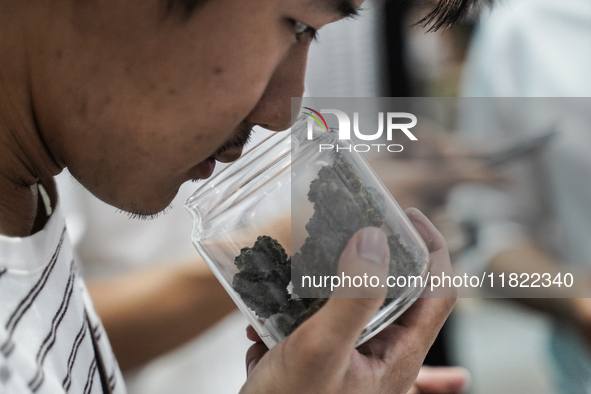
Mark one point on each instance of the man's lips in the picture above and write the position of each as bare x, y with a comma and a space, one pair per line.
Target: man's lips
205, 168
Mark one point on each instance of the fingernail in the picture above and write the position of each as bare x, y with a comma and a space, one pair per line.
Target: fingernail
253, 363
372, 245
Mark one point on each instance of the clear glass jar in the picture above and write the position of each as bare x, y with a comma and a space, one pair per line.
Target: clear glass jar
286, 209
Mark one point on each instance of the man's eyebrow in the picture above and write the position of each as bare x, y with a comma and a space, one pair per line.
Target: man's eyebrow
344, 8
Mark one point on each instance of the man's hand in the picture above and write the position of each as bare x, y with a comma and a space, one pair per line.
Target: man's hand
320, 356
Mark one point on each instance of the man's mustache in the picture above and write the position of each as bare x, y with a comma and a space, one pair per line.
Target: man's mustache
238, 140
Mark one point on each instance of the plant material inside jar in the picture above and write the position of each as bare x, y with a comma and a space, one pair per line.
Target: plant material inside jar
343, 205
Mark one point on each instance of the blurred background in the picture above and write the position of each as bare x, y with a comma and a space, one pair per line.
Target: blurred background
175, 330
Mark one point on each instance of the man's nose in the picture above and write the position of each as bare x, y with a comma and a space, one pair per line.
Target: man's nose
273, 111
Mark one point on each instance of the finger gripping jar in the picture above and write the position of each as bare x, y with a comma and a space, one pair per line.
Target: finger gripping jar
273, 224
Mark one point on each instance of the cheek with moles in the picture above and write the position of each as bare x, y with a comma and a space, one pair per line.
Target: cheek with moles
132, 102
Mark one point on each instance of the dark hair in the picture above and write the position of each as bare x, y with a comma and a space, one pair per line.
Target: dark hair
447, 12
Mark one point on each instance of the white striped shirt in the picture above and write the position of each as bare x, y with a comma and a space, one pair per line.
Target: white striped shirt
45, 313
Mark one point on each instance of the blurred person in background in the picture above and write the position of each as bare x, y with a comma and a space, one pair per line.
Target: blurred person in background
542, 224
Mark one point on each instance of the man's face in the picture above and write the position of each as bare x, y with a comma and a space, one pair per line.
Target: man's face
136, 101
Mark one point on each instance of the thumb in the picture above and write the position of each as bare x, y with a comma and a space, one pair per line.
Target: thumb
338, 324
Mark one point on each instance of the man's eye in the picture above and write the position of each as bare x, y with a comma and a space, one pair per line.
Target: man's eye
300, 29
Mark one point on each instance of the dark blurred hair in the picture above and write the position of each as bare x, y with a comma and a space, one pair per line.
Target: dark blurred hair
445, 13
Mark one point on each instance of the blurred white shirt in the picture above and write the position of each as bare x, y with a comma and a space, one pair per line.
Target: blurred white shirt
542, 48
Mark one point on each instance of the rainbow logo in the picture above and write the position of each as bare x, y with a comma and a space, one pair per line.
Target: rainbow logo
316, 118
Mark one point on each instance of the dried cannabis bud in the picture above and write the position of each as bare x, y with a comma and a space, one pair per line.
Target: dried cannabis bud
264, 276
342, 206
402, 262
